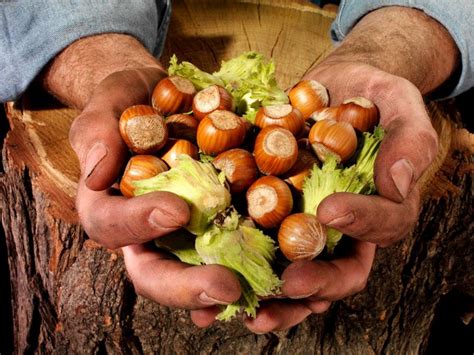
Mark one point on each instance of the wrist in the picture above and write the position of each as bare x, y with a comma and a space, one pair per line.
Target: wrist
77, 71
404, 42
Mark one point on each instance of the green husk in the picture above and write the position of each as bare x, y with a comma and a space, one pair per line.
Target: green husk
246, 251
198, 184
199, 78
249, 79
241, 248
332, 177
181, 244
248, 302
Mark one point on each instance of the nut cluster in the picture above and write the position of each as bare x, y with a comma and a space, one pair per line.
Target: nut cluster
265, 162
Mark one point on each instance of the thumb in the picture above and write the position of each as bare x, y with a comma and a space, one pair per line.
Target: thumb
407, 149
95, 137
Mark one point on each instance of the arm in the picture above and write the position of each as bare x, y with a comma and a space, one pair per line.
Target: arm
74, 74
413, 46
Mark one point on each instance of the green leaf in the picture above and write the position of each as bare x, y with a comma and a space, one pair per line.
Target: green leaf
199, 78
181, 244
243, 249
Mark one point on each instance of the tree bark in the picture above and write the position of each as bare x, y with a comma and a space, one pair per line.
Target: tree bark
70, 295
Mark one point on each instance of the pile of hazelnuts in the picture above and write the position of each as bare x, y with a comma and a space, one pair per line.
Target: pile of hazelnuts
268, 160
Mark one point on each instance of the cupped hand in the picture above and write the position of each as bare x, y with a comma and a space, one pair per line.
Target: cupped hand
109, 219
116, 221
171, 283
409, 146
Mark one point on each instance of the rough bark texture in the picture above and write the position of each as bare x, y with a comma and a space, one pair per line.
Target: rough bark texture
71, 296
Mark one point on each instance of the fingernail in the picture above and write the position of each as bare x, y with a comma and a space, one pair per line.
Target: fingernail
299, 297
163, 218
306, 295
94, 156
204, 298
402, 176
342, 221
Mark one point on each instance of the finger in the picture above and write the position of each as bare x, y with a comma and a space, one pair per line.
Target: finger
370, 218
94, 134
116, 221
316, 306
277, 315
204, 317
330, 280
410, 144
407, 149
95, 137
175, 284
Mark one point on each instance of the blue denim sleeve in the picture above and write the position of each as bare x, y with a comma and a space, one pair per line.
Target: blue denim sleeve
456, 16
33, 32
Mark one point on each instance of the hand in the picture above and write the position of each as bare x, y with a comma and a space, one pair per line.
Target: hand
111, 220
423, 55
310, 287
171, 283
115, 221
408, 148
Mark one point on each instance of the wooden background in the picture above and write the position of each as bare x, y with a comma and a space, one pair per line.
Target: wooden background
69, 295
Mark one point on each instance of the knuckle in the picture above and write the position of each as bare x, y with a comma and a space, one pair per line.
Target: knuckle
90, 225
404, 87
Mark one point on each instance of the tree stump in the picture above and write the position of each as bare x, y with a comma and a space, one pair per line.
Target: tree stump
70, 295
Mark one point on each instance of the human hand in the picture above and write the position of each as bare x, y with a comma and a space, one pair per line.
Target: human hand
109, 219
408, 148
116, 221
103, 75
393, 65
308, 287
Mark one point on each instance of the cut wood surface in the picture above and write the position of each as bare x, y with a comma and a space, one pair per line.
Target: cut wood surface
70, 295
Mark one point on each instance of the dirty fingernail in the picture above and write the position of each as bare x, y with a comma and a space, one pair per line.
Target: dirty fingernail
206, 299
402, 176
162, 218
94, 156
342, 221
